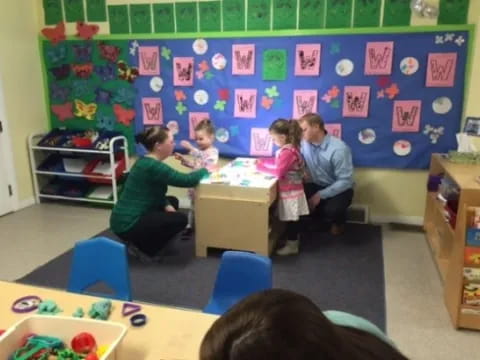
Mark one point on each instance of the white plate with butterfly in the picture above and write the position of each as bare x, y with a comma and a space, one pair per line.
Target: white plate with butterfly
344, 67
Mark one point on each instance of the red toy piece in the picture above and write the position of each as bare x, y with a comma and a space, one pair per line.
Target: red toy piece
84, 343
86, 31
56, 34
1, 332
91, 356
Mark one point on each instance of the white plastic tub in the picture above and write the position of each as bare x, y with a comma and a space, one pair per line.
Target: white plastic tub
65, 328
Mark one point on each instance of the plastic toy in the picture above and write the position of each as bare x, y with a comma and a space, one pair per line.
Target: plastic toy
138, 320
84, 343
102, 349
36, 344
26, 304
129, 309
100, 310
79, 313
67, 354
48, 307
91, 356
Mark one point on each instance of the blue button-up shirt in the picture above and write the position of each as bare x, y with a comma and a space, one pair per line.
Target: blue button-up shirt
330, 165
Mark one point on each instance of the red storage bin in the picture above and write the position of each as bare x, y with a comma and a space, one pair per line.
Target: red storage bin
89, 170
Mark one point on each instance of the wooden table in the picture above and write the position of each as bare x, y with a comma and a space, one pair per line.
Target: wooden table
233, 210
170, 334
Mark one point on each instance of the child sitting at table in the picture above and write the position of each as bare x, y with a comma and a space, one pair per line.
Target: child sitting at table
289, 167
205, 156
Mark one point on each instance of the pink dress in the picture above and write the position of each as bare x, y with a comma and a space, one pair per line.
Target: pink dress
288, 167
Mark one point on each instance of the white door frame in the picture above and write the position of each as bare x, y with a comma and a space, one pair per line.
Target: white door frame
8, 154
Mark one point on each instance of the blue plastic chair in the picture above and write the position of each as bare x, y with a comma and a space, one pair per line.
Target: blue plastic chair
239, 275
100, 260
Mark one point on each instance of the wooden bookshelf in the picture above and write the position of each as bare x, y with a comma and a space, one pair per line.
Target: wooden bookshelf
448, 244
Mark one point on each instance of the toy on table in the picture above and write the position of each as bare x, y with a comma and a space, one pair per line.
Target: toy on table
26, 304
79, 313
101, 310
138, 320
48, 307
129, 309
84, 343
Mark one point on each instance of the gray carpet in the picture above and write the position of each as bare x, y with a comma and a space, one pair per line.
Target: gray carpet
340, 273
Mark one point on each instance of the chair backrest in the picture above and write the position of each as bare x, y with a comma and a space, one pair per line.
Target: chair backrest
240, 274
100, 260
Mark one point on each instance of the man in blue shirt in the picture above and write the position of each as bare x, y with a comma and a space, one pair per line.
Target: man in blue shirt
329, 189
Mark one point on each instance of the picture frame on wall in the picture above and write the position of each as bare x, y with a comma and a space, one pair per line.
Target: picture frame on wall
472, 126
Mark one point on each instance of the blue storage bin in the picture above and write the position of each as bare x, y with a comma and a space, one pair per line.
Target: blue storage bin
473, 237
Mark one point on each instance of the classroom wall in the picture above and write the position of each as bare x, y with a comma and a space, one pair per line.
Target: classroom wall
21, 79
392, 195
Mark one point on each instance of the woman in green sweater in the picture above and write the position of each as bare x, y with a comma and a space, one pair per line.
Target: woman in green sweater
282, 325
144, 216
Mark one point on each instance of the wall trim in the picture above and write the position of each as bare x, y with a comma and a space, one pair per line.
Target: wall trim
397, 219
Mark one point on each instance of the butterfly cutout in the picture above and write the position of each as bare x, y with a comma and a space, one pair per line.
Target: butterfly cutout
223, 94
392, 91
166, 53
333, 92
180, 108
86, 31
56, 34
267, 102
380, 94
83, 71
133, 48
203, 66
199, 74
438, 39
384, 81
234, 130
272, 91
124, 116
335, 103
57, 54
63, 111
83, 52
180, 95
334, 48
103, 96
220, 105
61, 72
85, 110
80, 88
125, 95
58, 92
449, 37
105, 121
460, 40
106, 72
127, 73
209, 75
109, 52
327, 98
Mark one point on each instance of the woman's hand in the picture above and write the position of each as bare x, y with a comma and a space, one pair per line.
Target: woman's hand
179, 156
170, 208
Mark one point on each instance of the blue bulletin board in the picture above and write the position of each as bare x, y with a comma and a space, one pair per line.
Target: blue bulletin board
391, 119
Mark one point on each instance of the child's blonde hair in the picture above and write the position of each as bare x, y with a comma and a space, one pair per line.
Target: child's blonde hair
290, 128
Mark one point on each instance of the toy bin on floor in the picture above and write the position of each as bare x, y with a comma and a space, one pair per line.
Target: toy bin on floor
120, 166
106, 333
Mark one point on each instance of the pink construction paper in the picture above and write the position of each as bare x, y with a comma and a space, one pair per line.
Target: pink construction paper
406, 115
261, 143
307, 59
441, 69
152, 111
304, 102
243, 59
183, 71
245, 103
334, 129
355, 101
193, 119
149, 60
378, 58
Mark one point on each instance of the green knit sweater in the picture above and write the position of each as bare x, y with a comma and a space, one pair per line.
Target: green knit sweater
145, 191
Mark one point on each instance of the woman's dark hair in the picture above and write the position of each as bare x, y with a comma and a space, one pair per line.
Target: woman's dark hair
151, 136
290, 128
207, 126
282, 325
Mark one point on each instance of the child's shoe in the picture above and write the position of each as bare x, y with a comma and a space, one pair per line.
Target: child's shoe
290, 248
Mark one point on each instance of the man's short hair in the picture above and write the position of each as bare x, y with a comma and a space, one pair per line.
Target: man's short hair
313, 119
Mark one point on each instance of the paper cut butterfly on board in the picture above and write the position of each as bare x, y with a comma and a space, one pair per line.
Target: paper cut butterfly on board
63, 111
56, 34
308, 62
106, 72
127, 73
83, 71
86, 31
109, 52
83, 52
244, 61
105, 121
103, 96
87, 111
80, 88
305, 106
124, 116
57, 54
59, 93
184, 73
356, 103
61, 72
125, 95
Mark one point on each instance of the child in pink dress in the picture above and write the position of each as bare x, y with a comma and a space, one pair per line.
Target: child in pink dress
288, 167
205, 156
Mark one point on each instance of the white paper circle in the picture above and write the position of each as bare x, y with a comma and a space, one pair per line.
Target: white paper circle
367, 136
402, 147
222, 135
442, 105
200, 46
219, 62
344, 67
409, 65
156, 83
200, 97
172, 125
